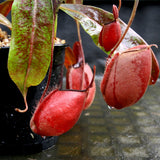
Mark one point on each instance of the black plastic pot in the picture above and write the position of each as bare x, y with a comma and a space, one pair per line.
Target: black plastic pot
16, 136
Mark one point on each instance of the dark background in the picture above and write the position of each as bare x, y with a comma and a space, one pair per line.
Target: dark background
146, 24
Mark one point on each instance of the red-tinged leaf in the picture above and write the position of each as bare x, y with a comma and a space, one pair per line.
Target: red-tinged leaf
5, 7
74, 56
70, 58
95, 14
30, 49
5, 21
83, 14
93, 18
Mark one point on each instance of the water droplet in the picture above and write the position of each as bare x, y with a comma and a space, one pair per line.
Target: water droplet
32, 135
110, 108
87, 114
42, 87
77, 65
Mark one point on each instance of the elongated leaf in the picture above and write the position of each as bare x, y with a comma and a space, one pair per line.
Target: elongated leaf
92, 19
30, 49
5, 21
5, 7
77, 12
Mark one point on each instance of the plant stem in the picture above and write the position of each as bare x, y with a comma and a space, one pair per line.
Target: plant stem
120, 4
26, 106
52, 53
82, 52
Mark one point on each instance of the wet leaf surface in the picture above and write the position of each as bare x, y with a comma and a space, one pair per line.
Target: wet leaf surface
92, 19
30, 49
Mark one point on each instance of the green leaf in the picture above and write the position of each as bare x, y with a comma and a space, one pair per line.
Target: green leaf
5, 7
30, 49
5, 21
92, 19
